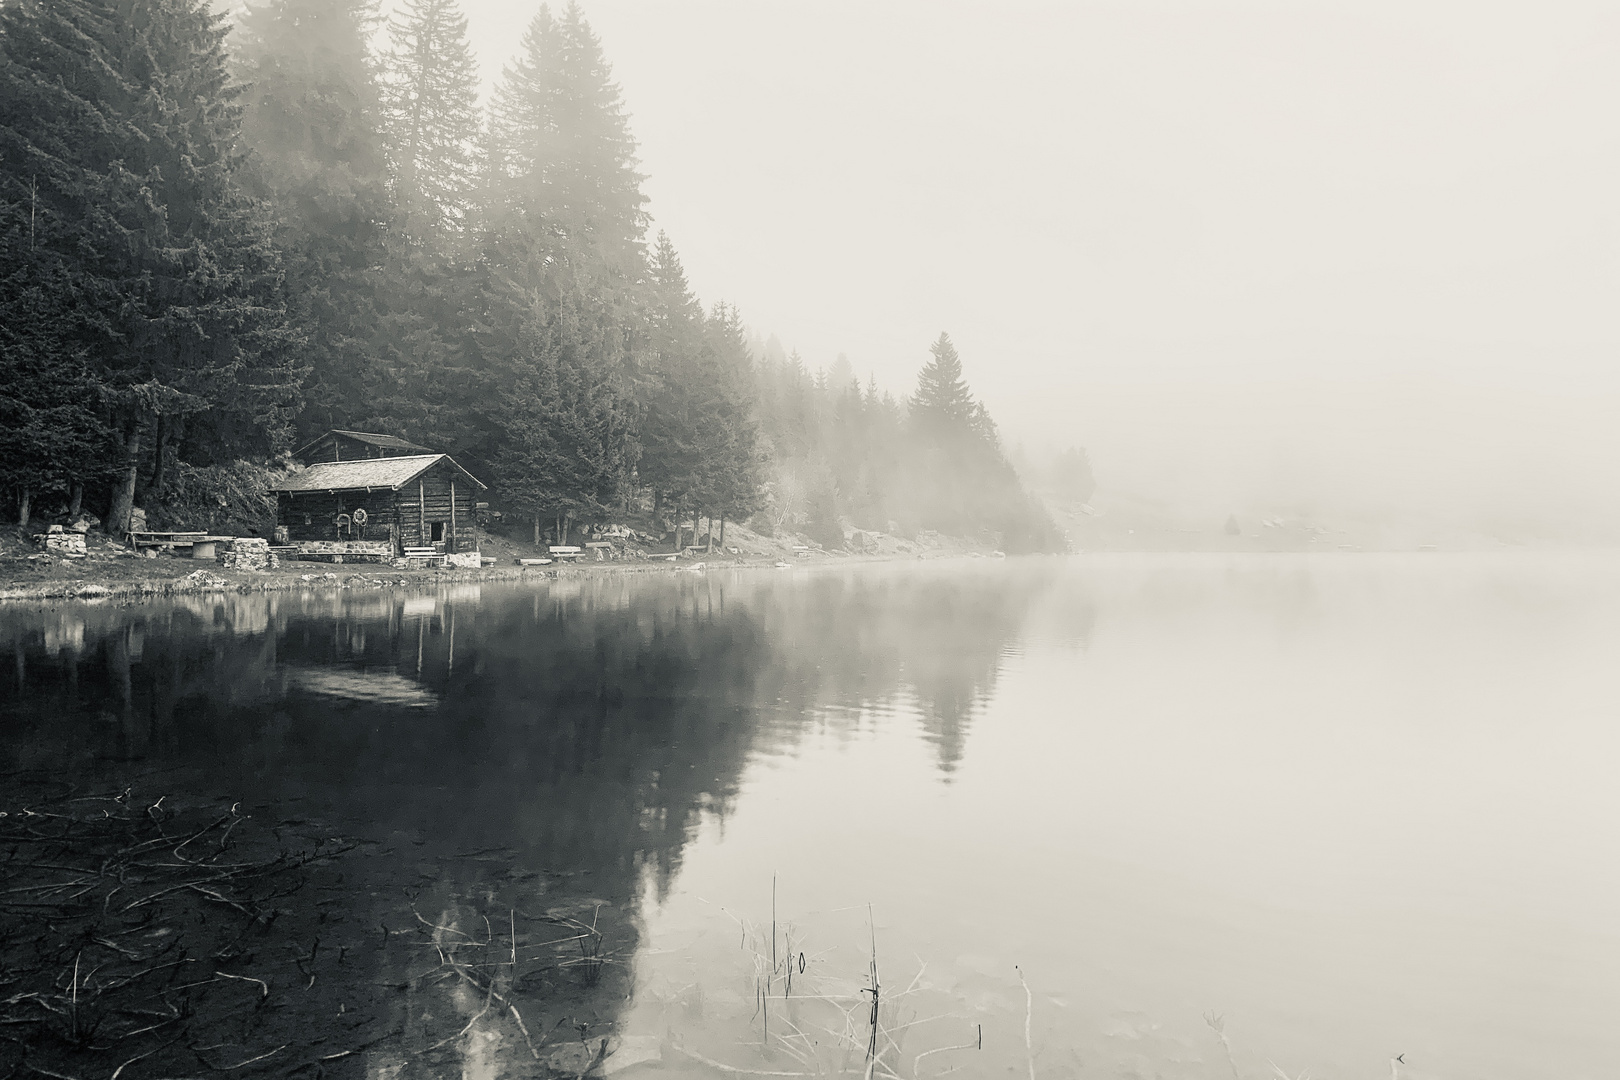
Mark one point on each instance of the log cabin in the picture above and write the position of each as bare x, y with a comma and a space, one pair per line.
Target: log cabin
415, 500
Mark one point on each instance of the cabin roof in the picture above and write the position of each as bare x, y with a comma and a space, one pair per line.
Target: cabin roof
371, 438
391, 473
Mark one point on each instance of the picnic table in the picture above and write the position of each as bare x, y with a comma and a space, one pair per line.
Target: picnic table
565, 551
200, 545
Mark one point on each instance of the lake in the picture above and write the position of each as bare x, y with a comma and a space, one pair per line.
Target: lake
1098, 816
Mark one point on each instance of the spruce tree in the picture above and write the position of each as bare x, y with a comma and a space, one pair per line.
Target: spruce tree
312, 121
559, 261
562, 142
125, 113
669, 384
566, 449
431, 105
943, 408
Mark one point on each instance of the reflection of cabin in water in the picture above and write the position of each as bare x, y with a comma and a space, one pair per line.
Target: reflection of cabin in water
374, 488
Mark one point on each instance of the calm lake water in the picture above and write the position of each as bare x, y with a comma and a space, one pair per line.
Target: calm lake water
1355, 805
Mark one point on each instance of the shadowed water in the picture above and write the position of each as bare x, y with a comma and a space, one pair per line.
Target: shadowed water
1355, 806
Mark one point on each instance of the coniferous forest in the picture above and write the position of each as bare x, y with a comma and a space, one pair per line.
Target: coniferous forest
222, 236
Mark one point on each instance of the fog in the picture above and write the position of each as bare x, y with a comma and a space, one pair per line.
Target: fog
1345, 258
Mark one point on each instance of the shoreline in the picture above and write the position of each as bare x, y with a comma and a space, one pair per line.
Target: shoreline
292, 578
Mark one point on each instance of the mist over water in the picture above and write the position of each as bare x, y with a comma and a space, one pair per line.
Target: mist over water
1357, 805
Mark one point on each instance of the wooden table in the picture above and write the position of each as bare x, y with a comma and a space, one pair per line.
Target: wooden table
166, 541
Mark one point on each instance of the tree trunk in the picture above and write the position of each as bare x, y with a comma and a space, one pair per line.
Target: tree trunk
23, 504
710, 550
76, 501
160, 438
722, 532
537, 530
123, 493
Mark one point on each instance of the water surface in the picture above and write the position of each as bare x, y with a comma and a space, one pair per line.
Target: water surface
1357, 806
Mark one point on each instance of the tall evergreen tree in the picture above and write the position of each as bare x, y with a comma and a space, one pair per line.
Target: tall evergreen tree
312, 119
560, 259
670, 417
943, 408
431, 102
562, 148
126, 114
567, 446
733, 460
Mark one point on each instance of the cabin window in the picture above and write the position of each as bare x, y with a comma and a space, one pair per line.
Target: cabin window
437, 531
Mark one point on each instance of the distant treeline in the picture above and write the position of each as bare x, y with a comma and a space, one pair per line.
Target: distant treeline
216, 240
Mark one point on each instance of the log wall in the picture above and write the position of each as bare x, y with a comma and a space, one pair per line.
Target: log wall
397, 515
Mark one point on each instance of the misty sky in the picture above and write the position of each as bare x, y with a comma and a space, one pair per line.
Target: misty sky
1347, 255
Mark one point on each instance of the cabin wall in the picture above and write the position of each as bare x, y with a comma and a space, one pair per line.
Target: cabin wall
312, 515
430, 503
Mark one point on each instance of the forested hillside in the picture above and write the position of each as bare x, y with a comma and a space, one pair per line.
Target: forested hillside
218, 239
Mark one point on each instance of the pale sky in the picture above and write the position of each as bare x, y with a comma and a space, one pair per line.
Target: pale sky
1361, 253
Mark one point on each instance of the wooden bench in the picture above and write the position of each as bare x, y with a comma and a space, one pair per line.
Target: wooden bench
565, 551
424, 556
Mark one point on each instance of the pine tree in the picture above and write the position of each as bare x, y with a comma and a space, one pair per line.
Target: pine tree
312, 119
562, 142
943, 408
53, 431
125, 113
53, 421
566, 450
559, 261
733, 459
670, 453
431, 108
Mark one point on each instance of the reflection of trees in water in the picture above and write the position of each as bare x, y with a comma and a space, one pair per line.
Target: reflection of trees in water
582, 728
870, 641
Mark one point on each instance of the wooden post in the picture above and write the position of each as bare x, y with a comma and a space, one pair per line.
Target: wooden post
421, 513
452, 544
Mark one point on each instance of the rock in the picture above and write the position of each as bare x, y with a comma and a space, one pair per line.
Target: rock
633, 1050
53, 529
84, 523
137, 520
572, 1059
